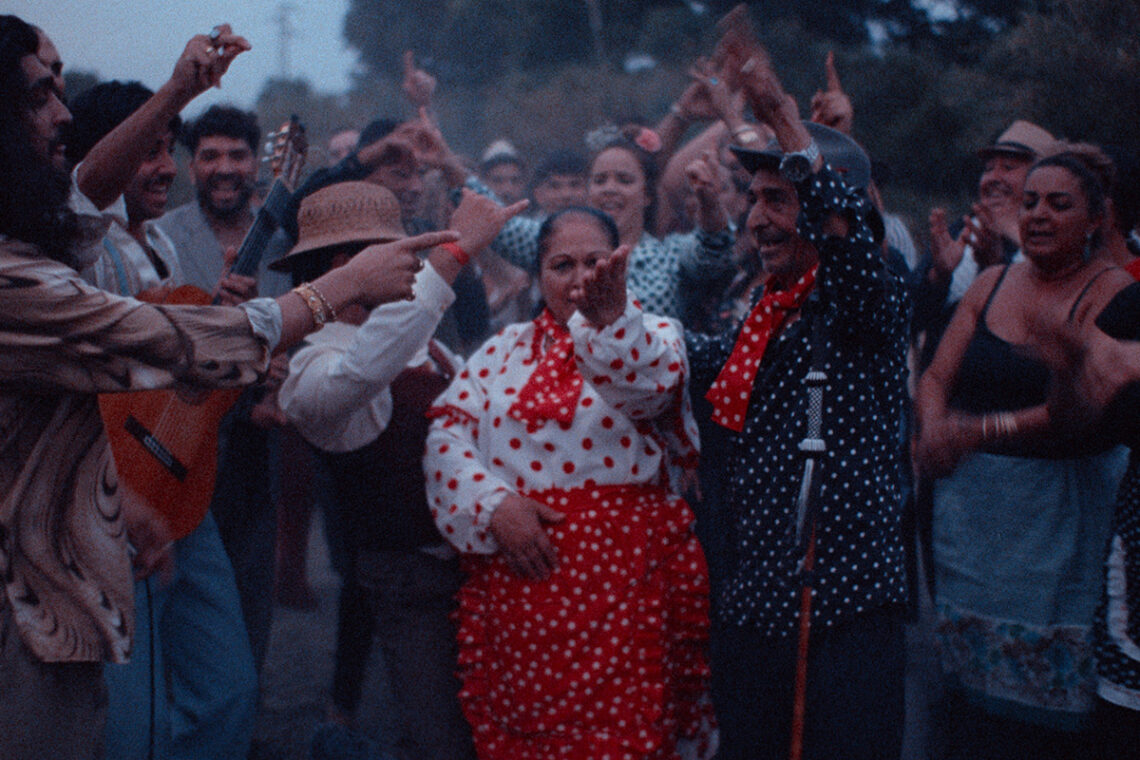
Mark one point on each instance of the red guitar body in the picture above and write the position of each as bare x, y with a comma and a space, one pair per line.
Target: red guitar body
166, 445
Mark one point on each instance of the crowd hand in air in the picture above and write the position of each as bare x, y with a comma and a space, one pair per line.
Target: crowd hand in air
601, 296
517, 526
704, 174
709, 97
832, 107
977, 231
431, 148
206, 59
478, 219
736, 46
418, 85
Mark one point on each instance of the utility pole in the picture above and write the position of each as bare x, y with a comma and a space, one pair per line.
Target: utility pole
285, 34
594, 11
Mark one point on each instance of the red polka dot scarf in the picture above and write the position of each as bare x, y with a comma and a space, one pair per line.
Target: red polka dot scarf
730, 393
553, 389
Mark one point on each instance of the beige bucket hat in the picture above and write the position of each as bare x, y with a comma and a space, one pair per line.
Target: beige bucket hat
1021, 138
347, 212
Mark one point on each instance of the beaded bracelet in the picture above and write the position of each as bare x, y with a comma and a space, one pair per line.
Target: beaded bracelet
321, 309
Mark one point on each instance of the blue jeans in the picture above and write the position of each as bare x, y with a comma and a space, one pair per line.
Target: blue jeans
190, 644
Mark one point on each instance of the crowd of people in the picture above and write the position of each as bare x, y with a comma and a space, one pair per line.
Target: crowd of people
651, 452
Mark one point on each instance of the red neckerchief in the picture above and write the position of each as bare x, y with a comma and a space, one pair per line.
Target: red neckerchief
730, 393
553, 389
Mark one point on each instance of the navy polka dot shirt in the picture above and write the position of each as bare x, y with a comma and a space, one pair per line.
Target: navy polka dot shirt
859, 552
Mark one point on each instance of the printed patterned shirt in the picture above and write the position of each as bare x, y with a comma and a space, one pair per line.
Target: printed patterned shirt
659, 270
63, 555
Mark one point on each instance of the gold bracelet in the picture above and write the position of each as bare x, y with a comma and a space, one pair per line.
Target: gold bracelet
328, 306
316, 304
1006, 424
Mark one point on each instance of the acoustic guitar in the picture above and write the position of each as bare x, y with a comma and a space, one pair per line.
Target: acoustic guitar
166, 445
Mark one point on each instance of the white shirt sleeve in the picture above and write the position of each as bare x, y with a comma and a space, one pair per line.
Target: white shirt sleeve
336, 393
636, 364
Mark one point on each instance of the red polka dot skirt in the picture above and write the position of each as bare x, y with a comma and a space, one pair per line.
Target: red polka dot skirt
607, 657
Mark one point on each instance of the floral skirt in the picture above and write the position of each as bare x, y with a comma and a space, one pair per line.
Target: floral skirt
606, 658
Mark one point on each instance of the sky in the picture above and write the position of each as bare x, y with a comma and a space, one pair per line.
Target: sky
141, 39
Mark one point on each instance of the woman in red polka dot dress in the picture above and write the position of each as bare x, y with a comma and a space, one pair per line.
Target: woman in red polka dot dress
584, 619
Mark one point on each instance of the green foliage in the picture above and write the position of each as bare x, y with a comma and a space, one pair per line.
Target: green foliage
927, 96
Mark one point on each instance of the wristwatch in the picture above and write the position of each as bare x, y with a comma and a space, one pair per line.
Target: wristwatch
797, 166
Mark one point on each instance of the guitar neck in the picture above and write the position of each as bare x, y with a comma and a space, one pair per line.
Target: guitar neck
265, 223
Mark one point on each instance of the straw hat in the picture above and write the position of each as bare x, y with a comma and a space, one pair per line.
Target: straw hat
1022, 138
347, 212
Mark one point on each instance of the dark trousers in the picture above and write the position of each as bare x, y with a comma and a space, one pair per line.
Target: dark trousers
855, 683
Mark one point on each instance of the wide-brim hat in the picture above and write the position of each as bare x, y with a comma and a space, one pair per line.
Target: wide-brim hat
347, 212
841, 153
1022, 138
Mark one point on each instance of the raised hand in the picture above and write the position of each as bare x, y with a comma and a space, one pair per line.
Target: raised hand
737, 45
431, 148
981, 232
945, 251
418, 85
704, 176
478, 219
386, 151
601, 296
206, 59
386, 271
832, 107
517, 526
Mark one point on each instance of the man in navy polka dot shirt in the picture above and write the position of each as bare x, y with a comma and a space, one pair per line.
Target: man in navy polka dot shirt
813, 228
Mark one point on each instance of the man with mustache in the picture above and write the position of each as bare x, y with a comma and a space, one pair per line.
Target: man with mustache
808, 399
223, 164
986, 236
223, 144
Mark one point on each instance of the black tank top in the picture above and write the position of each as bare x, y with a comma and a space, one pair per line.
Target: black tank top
995, 375
999, 376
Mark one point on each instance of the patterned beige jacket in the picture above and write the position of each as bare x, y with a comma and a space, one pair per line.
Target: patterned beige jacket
63, 549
